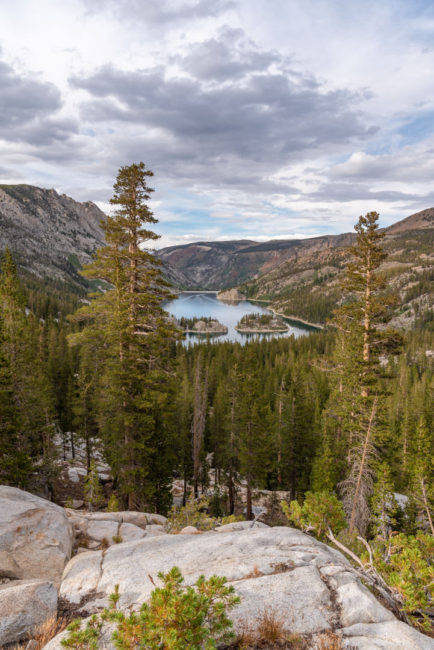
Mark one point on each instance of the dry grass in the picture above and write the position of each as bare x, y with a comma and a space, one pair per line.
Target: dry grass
329, 641
247, 637
270, 626
254, 573
268, 632
45, 632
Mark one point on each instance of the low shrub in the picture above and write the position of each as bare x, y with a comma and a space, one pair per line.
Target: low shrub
319, 512
194, 513
176, 618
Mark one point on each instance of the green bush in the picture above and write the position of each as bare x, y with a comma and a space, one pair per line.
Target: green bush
192, 514
113, 503
320, 511
406, 563
176, 618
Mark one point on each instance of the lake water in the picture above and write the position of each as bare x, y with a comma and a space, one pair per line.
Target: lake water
200, 304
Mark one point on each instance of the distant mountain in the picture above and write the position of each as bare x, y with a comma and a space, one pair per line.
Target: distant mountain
50, 235
220, 265
308, 285
301, 278
419, 221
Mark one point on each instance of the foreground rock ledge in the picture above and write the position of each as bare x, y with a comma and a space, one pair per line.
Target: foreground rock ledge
309, 585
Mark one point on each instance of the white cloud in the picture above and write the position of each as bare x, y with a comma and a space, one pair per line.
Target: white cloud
256, 117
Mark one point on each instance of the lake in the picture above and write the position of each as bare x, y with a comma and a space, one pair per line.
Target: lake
194, 304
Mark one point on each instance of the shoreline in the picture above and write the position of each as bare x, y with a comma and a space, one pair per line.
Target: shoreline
219, 333
243, 331
293, 318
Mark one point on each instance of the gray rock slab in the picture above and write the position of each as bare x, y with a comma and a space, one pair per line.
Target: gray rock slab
298, 597
390, 635
130, 532
35, 536
98, 530
240, 525
24, 605
307, 584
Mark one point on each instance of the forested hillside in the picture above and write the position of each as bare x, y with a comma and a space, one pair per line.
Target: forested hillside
337, 424
309, 286
302, 278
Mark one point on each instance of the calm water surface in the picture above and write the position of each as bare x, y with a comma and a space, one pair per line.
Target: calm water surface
200, 304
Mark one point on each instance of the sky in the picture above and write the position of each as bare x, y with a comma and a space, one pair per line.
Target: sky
261, 119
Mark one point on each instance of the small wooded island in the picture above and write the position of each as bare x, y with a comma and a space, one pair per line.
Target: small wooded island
204, 325
261, 324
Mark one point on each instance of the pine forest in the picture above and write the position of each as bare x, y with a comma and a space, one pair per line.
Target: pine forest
330, 432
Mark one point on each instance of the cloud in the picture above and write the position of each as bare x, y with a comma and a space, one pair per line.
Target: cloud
30, 109
228, 56
161, 12
411, 163
231, 113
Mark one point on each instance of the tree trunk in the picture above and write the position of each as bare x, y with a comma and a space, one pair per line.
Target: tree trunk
249, 514
198, 425
231, 492
362, 468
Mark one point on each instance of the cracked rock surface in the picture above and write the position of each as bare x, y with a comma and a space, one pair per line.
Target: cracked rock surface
309, 585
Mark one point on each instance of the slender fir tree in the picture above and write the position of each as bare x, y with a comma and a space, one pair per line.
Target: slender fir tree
358, 397
135, 334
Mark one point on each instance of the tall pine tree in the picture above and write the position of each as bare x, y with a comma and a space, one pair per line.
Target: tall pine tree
135, 334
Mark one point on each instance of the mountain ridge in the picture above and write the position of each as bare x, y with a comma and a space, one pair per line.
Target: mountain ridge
50, 235
223, 265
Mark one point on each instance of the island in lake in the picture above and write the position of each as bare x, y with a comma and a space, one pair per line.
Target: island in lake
230, 295
204, 325
261, 324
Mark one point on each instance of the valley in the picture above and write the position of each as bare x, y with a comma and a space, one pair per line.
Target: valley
302, 278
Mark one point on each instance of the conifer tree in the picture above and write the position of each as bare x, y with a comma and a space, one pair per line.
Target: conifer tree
422, 490
23, 350
358, 393
135, 334
255, 431
14, 459
93, 494
199, 419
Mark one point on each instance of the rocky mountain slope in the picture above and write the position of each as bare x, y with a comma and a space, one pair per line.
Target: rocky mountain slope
301, 278
308, 285
221, 265
308, 586
50, 235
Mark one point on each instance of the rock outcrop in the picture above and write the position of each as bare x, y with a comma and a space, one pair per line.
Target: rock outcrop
308, 585
49, 234
36, 536
208, 327
24, 605
230, 295
102, 529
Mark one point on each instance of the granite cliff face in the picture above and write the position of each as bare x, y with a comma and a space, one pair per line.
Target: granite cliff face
50, 235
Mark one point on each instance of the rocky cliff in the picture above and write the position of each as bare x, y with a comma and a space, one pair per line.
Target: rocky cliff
49, 234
